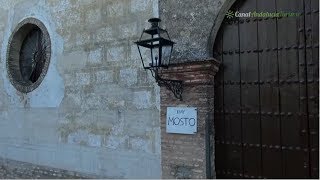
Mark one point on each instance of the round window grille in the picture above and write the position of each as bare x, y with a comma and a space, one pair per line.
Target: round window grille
28, 55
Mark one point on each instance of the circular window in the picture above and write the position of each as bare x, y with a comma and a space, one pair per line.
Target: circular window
28, 55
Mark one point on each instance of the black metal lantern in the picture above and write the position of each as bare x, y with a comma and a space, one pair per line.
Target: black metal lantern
155, 48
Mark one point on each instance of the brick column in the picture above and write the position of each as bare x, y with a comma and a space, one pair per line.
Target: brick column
190, 156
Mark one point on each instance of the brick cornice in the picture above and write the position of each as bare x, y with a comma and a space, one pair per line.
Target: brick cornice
203, 65
191, 73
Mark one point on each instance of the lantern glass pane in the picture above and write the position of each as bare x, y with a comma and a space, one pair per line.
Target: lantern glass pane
144, 56
155, 42
155, 57
166, 53
145, 36
156, 36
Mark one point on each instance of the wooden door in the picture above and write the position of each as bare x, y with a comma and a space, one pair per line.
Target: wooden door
267, 91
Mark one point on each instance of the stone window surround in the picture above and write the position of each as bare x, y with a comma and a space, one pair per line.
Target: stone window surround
16, 40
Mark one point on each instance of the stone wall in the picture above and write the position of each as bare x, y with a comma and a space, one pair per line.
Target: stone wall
193, 25
97, 110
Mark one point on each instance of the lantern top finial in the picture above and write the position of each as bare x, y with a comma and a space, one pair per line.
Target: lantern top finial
154, 22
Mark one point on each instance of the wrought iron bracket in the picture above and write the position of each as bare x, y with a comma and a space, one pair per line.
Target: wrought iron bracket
175, 86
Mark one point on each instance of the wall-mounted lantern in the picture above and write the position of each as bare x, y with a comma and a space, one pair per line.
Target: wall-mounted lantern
155, 48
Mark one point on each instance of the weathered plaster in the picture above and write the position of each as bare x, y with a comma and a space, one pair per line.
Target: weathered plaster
193, 25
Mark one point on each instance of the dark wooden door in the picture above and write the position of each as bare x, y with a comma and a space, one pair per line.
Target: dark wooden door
267, 91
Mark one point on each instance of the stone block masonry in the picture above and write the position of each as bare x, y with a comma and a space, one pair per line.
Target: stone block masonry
189, 24
189, 156
96, 111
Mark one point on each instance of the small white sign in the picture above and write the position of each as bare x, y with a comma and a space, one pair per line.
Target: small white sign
181, 120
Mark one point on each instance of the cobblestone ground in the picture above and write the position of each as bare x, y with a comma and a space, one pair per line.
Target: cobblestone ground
10, 169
